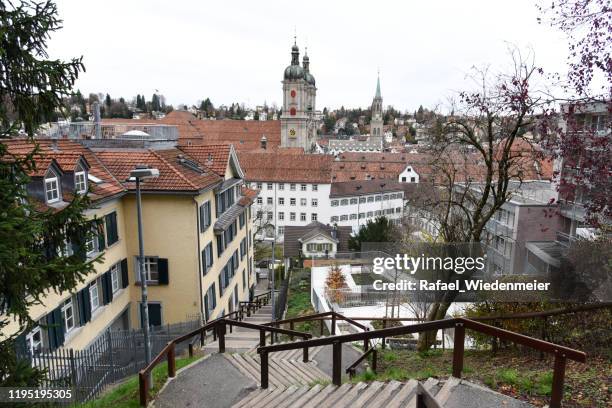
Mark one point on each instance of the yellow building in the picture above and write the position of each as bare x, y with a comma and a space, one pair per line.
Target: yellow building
197, 234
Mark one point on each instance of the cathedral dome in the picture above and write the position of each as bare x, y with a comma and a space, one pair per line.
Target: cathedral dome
294, 72
309, 78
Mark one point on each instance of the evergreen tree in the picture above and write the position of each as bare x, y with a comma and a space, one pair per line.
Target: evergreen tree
108, 101
379, 230
32, 242
155, 105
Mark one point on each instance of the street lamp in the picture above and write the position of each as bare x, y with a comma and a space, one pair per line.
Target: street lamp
142, 172
273, 240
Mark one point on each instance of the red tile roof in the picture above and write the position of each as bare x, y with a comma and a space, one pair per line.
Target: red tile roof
174, 175
67, 153
215, 157
282, 167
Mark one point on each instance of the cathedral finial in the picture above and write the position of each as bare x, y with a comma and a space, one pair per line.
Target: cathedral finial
378, 85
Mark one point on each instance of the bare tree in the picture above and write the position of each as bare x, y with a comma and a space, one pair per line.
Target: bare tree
477, 153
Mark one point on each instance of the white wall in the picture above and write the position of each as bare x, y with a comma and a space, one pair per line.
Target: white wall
371, 209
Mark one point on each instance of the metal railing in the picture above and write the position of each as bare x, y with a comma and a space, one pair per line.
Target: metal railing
561, 353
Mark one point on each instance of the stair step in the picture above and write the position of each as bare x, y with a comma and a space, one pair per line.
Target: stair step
312, 391
447, 389
290, 401
320, 396
385, 394
346, 400
330, 401
368, 394
398, 400
429, 385
283, 396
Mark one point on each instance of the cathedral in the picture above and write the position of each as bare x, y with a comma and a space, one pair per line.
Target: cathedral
299, 118
376, 124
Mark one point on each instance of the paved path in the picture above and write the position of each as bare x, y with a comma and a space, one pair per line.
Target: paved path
210, 383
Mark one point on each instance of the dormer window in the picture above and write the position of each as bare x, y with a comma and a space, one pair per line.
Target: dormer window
80, 180
52, 187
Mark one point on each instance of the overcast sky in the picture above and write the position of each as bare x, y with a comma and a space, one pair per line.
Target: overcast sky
236, 51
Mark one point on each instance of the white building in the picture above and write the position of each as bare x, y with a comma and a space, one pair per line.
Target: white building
354, 203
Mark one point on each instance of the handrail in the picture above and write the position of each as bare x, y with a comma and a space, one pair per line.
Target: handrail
369, 351
561, 353
218, 326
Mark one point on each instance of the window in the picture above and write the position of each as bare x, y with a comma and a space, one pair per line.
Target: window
344, 217
353, 216
112, 234
115, 273
313, 216
207, 258
398, 210
270, 215
243, 248
281, 200
241, 220
259, 186
205, 217
269, 186
68, 315
353, 201
315, 187
389, 211
370, 214
51, 188
303, 202
386, 197
80, 181
281, 186
259, 200
94, 297
292, 201
344, 201
292, 216
281, 230
224, 200
361, 215
334, 203
370, 199
281, 216
303, 187
404, 179
334, 218
302, 216
378, 198
90, 244
392, 196
34, 341
314, 202
412, 179
292, 186
269, 201
151, 269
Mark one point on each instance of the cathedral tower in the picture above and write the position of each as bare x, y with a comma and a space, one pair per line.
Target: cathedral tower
298, 122
376, 124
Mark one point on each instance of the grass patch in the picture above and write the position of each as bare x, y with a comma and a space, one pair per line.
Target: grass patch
126, 394
514, 373
298, 303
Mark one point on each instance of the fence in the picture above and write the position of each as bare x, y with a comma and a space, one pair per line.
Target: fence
111, 357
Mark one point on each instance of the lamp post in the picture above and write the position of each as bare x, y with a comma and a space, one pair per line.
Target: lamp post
273, 240
139, 173
358, 205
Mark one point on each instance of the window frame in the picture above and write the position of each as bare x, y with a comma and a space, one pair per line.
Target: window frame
68, 305
80, 173
51, 177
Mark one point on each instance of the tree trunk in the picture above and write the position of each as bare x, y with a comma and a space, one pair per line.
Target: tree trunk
437, 312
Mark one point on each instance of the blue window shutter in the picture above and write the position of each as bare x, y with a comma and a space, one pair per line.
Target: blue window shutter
162, 268
55, 329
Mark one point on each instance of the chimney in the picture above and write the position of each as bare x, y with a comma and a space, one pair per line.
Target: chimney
96, 113
264, 142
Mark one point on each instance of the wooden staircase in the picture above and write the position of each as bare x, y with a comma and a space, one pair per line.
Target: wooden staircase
241, 339
452, 393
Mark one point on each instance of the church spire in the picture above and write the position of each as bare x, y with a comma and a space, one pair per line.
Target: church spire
295, 52
378, 86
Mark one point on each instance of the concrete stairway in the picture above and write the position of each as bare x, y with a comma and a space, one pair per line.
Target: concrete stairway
452, 393
241, 339
282, 372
